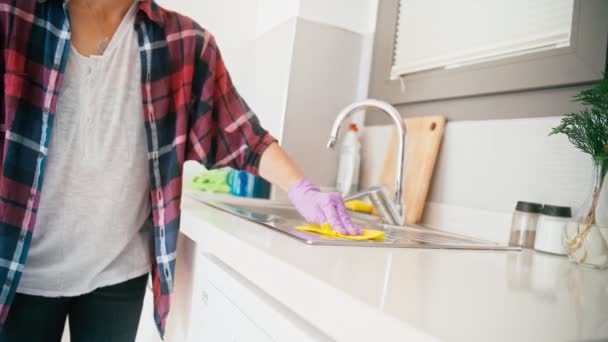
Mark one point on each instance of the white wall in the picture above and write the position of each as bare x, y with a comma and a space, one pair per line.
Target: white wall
485, 167
256, 38
232, 24
353, 15
272, 13
258, 61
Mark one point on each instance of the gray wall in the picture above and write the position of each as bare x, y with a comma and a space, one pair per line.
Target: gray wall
535, 103
325, 72
532, 85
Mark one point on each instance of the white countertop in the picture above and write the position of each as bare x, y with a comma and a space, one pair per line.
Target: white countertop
384, 294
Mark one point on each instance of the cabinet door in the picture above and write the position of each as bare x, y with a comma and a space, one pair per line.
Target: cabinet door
255, 316
247, 331
211, 316
215, 318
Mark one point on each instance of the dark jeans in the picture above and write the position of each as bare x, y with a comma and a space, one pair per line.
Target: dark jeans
106, 314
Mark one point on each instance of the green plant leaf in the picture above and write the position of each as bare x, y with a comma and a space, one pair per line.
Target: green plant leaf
587, 130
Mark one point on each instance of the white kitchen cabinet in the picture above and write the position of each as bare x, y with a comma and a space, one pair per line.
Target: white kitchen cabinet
215, 318
215, 303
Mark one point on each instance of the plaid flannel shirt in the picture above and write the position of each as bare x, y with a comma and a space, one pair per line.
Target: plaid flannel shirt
191, 109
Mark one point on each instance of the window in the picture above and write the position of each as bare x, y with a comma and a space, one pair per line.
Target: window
448, 33
430, 50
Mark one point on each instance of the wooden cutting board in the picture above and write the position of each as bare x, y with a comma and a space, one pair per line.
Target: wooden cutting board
424, 135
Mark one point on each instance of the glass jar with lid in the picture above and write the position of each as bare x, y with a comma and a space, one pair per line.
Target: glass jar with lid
549, 229
523, 225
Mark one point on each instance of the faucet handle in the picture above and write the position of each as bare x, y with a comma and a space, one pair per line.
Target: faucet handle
384, 205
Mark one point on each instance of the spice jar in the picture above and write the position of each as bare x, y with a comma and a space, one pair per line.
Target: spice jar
550, 228
523, 226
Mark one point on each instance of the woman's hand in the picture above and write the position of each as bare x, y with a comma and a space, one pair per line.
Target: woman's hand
319, 207
315, 206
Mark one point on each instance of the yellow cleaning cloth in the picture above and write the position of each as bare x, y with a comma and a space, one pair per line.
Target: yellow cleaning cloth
326, 232
359, 206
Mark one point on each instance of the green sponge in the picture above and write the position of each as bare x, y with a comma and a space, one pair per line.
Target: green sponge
212, 181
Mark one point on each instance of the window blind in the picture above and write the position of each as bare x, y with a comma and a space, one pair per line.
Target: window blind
435, 34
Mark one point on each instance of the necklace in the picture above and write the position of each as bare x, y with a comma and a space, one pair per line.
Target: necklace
103, 44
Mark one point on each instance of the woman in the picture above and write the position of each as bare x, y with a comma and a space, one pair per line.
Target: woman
103, 101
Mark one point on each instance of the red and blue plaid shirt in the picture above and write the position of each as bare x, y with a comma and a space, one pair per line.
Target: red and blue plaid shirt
191, 109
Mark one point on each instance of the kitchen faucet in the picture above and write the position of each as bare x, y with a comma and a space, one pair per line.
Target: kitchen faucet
392, 213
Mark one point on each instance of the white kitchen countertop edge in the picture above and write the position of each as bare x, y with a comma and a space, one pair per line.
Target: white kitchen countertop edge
396, 294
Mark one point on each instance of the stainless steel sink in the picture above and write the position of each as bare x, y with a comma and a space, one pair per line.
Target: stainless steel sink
283, 218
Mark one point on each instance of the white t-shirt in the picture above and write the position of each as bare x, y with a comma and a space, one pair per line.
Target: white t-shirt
94, 227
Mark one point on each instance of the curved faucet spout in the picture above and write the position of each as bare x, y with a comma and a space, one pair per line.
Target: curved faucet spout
401, 132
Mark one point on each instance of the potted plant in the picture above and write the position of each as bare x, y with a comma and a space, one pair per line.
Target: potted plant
587, 130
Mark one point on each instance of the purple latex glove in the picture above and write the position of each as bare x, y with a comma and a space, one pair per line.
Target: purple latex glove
319, 207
